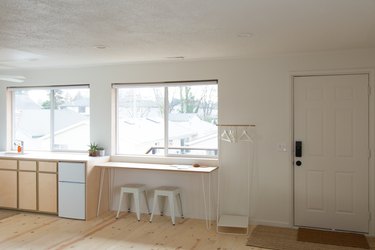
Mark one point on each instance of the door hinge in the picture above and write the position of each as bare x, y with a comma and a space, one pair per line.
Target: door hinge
369, 153
369, 90
369, 216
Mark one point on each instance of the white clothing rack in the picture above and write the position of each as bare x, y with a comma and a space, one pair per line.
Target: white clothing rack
235, 223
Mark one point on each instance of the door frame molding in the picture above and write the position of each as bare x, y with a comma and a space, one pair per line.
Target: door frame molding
371, 74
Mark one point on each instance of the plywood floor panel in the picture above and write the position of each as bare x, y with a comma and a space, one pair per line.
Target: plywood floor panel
32, 231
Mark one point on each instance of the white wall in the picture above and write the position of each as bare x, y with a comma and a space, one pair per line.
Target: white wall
254, 90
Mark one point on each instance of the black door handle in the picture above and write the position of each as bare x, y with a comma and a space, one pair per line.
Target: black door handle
298, 151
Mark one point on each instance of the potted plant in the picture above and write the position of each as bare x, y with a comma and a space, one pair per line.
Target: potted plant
100, 151
93, 149
96, 150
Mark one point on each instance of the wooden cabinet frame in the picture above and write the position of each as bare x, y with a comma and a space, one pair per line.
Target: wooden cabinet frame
22, 170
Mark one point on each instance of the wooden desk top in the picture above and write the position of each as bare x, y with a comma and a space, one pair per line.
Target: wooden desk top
156, 167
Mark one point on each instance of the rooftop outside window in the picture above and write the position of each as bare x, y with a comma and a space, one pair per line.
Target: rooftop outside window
167, 119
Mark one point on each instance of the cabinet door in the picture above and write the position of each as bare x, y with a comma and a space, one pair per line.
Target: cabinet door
27, 190
8, 188
72, 172
47, 190
72, 200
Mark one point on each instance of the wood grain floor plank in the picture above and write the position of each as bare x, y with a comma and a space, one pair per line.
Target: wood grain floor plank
32, 231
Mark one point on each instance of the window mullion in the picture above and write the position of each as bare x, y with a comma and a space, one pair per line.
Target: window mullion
13, 108
52, 119
166, 124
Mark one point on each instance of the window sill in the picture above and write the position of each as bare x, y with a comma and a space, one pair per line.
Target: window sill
165, 160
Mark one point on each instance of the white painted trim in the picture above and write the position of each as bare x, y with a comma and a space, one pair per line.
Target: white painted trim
371, 73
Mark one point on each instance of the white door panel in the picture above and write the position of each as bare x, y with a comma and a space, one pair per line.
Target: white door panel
72, 172
72, 200
331, 120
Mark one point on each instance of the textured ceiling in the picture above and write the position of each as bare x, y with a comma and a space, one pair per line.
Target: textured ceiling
49, 33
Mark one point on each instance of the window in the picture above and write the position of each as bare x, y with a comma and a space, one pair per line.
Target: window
167, 119
51, 119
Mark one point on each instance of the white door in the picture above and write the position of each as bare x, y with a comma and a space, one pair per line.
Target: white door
331, 121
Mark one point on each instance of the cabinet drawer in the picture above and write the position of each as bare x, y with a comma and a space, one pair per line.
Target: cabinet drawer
8, 164
45, 166
27, 165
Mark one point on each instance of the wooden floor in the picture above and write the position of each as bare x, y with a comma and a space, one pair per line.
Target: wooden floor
35, 231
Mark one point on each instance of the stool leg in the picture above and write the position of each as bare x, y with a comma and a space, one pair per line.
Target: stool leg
119, 205
180, 202
161, 205
148, 208
153, 207
136, 205
171, 206
129, 202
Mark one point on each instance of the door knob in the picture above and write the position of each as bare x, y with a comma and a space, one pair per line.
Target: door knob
299, 163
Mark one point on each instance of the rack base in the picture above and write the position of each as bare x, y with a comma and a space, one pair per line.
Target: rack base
233, 224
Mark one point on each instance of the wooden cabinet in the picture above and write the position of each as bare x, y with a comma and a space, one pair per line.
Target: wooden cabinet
27, 185
27, 190
47, 187
8, 183
31, 184
8, 189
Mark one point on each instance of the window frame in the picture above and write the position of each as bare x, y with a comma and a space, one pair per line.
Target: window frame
51, 89
165, 85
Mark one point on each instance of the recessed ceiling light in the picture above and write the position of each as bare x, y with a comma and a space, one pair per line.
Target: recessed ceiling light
245, 35
100, 46
175, 57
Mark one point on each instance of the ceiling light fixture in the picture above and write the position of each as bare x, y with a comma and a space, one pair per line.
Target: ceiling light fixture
100, 46
175, 57
245, 35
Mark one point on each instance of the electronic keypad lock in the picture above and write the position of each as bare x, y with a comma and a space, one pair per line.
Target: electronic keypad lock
298, 151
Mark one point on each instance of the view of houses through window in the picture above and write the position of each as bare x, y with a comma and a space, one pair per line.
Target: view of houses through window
167, 120
52, 119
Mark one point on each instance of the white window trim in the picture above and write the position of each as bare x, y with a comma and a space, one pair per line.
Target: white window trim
165, 85
52, 89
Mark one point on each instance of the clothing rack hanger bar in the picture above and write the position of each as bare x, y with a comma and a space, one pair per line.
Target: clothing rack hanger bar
235, 125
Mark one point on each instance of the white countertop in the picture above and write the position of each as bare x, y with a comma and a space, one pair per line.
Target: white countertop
159, 167
53, 156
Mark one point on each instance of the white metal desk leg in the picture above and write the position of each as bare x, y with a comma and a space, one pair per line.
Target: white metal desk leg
205, 203
102, 172
209, 201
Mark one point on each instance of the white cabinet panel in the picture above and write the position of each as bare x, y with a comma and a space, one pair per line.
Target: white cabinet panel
72, 172
72, 200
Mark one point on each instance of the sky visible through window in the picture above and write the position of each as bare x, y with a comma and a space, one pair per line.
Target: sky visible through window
191, 124
66, 127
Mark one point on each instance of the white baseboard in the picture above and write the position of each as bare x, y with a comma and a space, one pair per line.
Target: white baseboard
271, 223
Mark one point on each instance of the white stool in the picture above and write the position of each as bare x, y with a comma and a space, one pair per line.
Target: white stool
134, 189
171, 193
